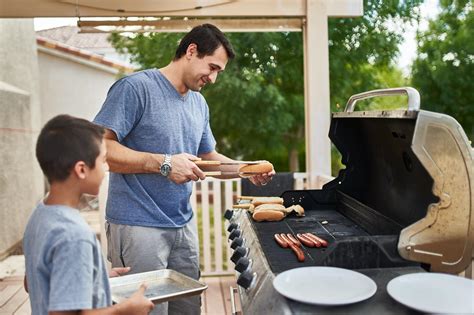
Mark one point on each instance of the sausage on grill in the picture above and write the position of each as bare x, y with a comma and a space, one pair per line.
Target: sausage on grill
293, 239
281, 241
315, 238
286, 239
306, 241
298, 252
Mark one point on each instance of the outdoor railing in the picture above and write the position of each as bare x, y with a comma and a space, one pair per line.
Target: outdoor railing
210, 198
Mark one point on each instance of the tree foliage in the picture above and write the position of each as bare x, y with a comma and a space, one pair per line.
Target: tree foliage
444, 69
257, 105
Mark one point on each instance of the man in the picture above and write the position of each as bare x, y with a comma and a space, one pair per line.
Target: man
157, 124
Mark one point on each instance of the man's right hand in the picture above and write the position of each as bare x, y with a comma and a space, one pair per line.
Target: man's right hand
138, 303
183, 169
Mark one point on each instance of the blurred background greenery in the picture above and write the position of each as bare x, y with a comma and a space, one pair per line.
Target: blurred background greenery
257, 107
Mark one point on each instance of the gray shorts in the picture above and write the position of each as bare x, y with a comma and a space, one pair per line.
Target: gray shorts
147, 248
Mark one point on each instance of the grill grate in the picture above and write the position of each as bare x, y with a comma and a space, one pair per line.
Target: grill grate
349, 245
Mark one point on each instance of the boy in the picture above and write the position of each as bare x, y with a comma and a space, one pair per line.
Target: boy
65, 272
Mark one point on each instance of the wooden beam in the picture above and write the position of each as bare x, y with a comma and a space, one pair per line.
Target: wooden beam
317, 107
134, 8
189, 8
184, 25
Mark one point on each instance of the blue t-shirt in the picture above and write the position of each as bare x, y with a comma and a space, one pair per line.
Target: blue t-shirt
148, 114
64, 265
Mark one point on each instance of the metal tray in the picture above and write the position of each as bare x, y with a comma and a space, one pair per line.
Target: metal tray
162, 285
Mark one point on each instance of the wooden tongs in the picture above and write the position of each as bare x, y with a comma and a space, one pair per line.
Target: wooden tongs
218, 163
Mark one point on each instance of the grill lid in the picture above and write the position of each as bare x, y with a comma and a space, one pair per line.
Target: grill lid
415, 168
444, 237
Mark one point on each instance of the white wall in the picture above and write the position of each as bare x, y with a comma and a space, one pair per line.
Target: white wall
21, 180
70, 87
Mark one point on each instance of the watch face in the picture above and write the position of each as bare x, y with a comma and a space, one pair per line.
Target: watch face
165, 169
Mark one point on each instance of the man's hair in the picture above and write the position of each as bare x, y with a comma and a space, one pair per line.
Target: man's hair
208, 38
64, 141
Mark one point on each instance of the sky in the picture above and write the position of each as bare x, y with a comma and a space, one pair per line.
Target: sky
429, 10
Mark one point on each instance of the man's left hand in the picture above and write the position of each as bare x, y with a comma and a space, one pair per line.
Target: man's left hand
262, 179
119, 271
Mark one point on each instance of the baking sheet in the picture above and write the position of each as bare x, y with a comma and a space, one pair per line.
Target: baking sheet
163, 285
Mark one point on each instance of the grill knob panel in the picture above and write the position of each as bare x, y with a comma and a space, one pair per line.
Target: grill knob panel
235, 233
238, 253
238, 241
228, 214
232, 227
242, 264
245, 279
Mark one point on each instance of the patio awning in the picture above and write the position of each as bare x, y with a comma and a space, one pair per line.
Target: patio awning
266, 15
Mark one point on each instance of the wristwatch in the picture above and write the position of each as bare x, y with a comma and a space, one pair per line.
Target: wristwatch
165, 168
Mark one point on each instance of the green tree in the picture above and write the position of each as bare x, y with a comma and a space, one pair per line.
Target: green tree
444, 69
257, 107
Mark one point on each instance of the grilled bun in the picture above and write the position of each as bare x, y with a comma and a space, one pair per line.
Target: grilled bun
257, 201
268, 215
264, 167
273, 207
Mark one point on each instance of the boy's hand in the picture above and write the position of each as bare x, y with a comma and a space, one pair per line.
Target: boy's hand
138, 303
117, 272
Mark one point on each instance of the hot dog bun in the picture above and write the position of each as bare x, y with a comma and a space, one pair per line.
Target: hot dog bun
264, 167
268, 215
275, 207
257, 201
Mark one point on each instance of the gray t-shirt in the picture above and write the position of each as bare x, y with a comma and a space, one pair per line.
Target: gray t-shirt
147, 114
64, 265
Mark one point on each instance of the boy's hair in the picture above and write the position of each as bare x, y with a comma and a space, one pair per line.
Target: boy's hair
64, 141
208, 38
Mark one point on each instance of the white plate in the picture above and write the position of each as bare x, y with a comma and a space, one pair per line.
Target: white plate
433, 292
324, 285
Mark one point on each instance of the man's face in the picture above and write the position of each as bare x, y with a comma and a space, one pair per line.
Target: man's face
201, 71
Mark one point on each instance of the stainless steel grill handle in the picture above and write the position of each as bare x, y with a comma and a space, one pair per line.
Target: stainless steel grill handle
413, 97
233, 308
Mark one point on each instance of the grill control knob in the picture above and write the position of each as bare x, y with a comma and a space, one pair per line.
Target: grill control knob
235, 233
245, 279
228, 214
238, 253
242, 264
238, 241
232, 227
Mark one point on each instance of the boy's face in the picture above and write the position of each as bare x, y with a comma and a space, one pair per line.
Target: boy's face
96, 175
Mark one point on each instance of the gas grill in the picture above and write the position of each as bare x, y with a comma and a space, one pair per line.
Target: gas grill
403, 204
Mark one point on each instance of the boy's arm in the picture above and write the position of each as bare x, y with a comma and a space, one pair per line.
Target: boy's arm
137, 304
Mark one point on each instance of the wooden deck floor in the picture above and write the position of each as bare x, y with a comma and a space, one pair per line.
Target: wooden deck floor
216, 299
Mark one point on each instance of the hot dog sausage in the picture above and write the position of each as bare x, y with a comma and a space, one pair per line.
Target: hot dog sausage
298, 252
286, 239
305, 240
281, 241
316, 242
313, 237
293, 239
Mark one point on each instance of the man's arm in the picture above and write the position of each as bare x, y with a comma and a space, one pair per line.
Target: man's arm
257, 180
127, 161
